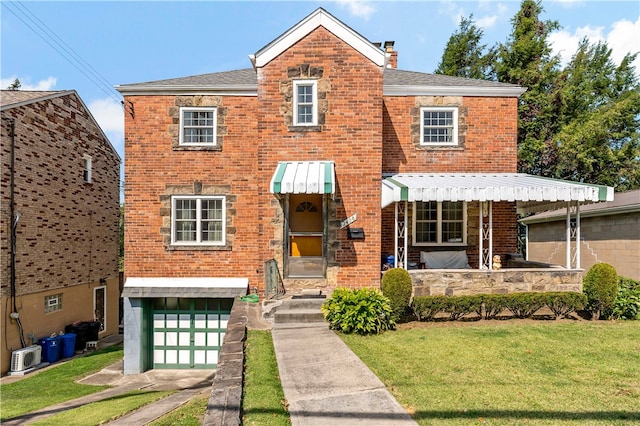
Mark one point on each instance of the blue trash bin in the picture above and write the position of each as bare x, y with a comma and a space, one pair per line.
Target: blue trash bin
50, 349
68, 345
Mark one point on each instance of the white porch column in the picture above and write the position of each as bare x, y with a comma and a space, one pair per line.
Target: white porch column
577, 235
568, 231
485, 242
401, 214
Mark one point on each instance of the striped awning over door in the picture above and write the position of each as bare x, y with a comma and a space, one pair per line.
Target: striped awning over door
303, 177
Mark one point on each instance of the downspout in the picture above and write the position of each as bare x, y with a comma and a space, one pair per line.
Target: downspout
14, 224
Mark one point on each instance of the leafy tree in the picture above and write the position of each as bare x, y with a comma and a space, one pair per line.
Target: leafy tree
526, 59
464, 56
15, 85
598, 115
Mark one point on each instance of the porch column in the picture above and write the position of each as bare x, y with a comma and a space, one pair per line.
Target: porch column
485, 242
399, 258
568, 232
577, 235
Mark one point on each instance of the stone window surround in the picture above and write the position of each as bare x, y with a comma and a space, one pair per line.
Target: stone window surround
438, 101
197, 189
304, 72
196, 101
181, 135
199, 199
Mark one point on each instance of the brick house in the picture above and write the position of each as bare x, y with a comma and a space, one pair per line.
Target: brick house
609, 232
322, 156
63, 201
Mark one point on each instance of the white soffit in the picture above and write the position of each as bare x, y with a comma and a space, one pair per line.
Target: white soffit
319, 17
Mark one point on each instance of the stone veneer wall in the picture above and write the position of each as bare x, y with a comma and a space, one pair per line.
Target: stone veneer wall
462, 282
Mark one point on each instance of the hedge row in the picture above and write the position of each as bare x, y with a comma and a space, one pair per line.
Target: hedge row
488, 306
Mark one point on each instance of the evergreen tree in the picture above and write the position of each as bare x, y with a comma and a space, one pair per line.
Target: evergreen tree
15, 85
526, 59
464, 56
598, 116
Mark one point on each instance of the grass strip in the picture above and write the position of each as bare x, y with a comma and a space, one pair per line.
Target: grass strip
509, 373
189, 414
263, 401
55, 385
104, 411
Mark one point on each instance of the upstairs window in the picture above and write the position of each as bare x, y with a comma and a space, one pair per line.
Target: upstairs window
198, 220
441, 223
86, 169
198, 126
439, 126
305, 102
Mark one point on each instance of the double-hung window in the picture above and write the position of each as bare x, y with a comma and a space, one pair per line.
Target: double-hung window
439, 223
198, 220
439, 126
198, 126
86, 169
305, 103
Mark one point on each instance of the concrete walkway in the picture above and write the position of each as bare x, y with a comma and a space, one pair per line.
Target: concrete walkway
325, 383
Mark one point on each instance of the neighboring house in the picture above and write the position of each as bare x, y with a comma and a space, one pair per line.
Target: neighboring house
609, 232
322, 156
60, 194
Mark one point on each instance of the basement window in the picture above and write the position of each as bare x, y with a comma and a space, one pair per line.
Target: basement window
52, 303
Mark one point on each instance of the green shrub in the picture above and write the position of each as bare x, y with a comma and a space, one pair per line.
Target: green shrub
524, 305
361, 311
396, 285
563, 303
459, 306
600, 285
627, 302
494, 304
426, 308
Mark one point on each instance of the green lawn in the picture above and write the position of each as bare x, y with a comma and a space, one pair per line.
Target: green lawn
511, 373
263, 399
56, 384
189, 414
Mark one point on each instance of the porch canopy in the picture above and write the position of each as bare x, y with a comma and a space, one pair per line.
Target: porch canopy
530, 193
303, 177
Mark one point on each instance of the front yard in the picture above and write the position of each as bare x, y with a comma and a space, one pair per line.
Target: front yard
510, 372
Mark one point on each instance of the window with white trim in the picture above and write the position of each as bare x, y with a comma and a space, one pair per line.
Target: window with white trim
442, 223
86, 168
198, 126
198, 220
305, 102
439, 126
52, 303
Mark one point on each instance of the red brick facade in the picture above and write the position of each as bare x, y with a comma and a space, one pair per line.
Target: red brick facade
363, 131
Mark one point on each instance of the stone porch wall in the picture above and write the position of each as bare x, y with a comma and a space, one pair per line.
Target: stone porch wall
458, 282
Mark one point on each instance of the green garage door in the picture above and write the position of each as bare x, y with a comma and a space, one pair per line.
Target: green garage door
188, 333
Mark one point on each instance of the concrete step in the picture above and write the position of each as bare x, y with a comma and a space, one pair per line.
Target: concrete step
302, 304
284, 316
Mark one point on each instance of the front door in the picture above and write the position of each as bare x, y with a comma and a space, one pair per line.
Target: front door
305, 236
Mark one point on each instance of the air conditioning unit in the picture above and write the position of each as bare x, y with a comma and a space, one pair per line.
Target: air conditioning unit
25, 358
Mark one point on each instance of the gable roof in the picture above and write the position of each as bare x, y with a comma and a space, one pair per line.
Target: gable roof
16, 98
317, 18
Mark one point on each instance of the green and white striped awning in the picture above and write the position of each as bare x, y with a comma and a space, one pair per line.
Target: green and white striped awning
531, 193
303, 177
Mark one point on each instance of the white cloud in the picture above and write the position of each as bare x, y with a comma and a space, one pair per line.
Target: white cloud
360, 8
110, 116
622, 39
486, 21
47, 84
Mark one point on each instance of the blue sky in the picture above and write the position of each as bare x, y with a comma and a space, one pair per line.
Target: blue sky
122, 42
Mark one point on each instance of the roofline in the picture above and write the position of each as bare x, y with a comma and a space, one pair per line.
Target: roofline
50, 95
178, 89
319, 17
561, 215
424, 90
67, 93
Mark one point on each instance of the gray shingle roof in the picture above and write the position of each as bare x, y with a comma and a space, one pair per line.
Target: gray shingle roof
8, 98
246, 80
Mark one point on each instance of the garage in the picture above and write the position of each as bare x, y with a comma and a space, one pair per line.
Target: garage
188, 332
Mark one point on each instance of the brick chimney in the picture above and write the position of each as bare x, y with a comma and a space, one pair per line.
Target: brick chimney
393, 59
